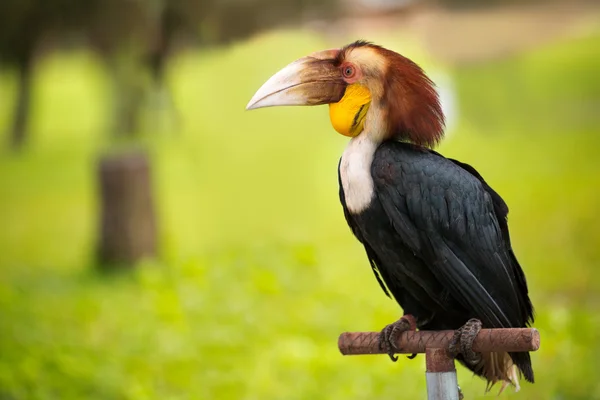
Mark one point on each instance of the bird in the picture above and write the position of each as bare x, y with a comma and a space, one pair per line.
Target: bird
434, 231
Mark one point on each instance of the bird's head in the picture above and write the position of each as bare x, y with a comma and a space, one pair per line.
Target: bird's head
369, 90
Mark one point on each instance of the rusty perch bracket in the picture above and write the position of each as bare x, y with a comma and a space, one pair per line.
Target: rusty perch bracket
441, 373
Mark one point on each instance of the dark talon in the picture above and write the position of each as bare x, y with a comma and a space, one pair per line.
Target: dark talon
413, 355
462, 342
388, 338
385, 343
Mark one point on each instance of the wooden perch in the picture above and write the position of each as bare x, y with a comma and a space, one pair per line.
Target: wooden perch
411, 342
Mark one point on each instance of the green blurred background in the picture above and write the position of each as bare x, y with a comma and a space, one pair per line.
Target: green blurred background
256, 272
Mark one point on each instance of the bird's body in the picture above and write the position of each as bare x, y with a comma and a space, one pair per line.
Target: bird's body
436, 236
434, 231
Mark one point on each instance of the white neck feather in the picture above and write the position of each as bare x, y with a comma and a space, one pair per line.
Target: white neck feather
355, 165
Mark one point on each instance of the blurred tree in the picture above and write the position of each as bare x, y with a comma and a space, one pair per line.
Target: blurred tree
128, 230
123, 34
120, 32
23, 23
20, 29
135, 39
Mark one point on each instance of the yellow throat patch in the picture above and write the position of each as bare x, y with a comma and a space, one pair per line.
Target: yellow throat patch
348, 115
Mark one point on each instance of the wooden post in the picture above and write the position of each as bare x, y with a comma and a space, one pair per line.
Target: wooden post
128, 227
441, 373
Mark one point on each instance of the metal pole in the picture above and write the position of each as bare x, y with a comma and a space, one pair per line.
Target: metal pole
441, 376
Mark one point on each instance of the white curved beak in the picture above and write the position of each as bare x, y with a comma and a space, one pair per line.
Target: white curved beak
311, 80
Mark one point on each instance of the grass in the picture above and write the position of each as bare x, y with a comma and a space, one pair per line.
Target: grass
259, 273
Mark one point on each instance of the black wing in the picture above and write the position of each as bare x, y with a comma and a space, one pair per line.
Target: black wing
459, 235
501, 211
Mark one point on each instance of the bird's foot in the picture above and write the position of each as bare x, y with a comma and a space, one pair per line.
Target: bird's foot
462, 342
388, 338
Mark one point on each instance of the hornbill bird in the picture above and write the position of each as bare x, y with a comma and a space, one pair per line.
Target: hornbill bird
435, 232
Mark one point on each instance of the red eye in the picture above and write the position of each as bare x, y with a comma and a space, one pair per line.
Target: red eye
348, 71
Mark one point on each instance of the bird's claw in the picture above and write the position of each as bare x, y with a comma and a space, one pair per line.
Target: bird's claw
462, 342
388, 338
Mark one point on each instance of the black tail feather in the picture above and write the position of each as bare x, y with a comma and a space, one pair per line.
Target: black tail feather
523, 361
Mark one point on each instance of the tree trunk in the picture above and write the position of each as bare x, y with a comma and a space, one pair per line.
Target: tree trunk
128, 93
21, 111
128, 225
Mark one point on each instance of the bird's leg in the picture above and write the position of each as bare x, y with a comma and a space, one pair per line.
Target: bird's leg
462, 342
388, 338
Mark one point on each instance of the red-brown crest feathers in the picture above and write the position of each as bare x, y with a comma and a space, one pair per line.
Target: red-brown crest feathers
409, 98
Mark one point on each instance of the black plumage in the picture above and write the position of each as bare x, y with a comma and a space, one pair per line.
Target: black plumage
436, 234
